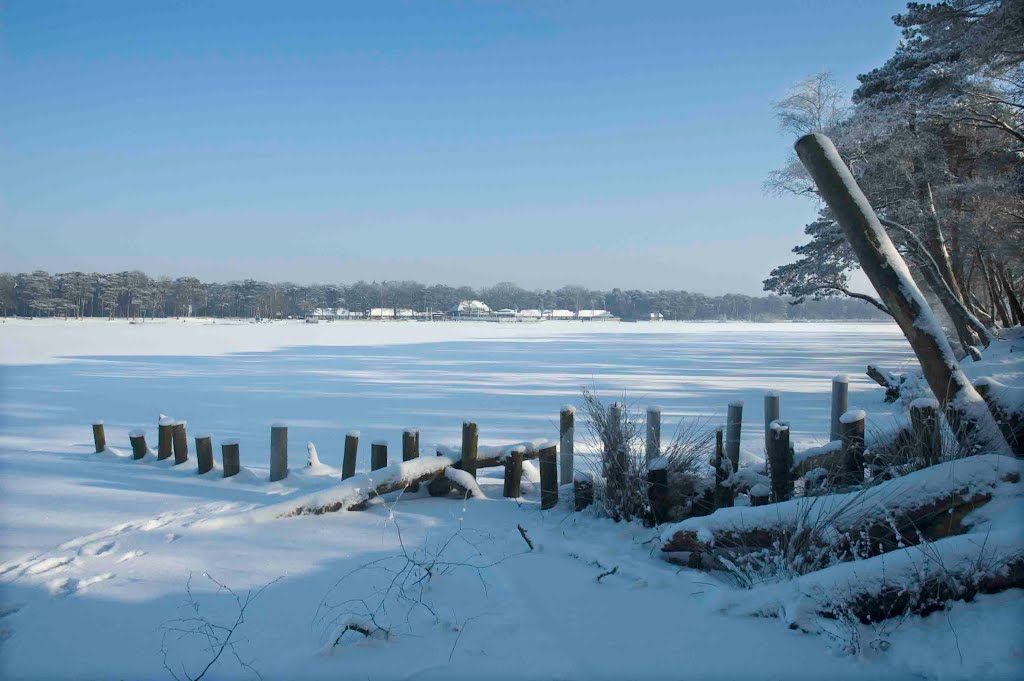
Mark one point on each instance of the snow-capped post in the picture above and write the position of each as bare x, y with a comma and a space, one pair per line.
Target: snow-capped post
972, 423
378, 454
469, 446
851, 431
348, 464
278, 452
138, 440
180, 440
548, 460
613, 461
840, 403
99, 438
653, 445
229, 456
513, 472
723, 493
925, 430
204, 453
566, 443
974, 352
771, 413
410, 451
780, 462
733, 424
164, 437
657, 489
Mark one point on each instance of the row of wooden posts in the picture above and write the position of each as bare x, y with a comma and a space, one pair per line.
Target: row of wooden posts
556, 462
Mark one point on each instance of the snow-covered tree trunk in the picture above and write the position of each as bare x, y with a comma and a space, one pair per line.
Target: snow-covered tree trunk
966, 411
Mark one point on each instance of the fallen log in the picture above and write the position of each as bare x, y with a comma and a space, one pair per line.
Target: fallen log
888, 380
925, 505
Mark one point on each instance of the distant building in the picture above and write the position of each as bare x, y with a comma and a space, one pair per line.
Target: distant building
471, 308
558, 314
506, 313
327, 314
405, 313
529, 314
657, 317
595, 316
381, 313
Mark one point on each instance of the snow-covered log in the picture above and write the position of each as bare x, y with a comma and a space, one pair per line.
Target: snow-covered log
888, 380
924, 505
966, 411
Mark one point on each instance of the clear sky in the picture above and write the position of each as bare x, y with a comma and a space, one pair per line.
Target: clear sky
605, 144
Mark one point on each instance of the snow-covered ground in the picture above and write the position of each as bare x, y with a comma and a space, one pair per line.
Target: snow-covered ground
97, 550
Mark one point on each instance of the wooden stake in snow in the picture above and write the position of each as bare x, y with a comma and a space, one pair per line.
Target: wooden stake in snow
165, 435
851, 431
410, 451
925, 430
513, 472
780, 462
180, 441
204, 453
723, 494
733, 424
566, 444
965, 410
657, 489
138, 440
840, 403
99, 438
348, 464
278, 452
771, 413
469, 447
548, 477
229, 455
653, 448
378, 455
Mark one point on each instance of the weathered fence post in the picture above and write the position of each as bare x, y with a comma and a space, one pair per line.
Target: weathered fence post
204, 453
469, 447
851, 428
348, 464
180, 441
99, 438
657, 489
924, 427
547, 457
378, 454
723, 494
840, 404
278, 452
733, 425
229, 455
653, 443
566, 443
165, 436
780, 462
771, 413
513, 472
410, 451
613, 461
138, 439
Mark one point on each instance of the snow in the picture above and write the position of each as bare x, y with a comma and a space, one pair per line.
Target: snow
853, 416
840, 378
466, 481
136, 432
96, 550
924, 403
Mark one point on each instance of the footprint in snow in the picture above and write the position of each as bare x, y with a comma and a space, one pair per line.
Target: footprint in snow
98, 548
130, 555
48, 564
171, 536
65, 586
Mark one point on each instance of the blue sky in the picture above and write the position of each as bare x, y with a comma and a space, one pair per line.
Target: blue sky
606, 144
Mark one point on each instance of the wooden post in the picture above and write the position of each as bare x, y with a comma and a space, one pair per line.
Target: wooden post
138, 440
840, 403
733, 425
614, 461
851, 426
653, 444
771, 413
99, 438
180, 440
513, 472
566, 443
278, 452
723, 494
204, 453
974, 352
410, 451
758, 499
924, 427
469, 447
657, 490
165, 436
348, 464
780, 462
229, 455
888, 273
548, 477
378, 455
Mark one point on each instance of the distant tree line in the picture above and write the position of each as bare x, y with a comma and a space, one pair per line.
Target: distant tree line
135, 294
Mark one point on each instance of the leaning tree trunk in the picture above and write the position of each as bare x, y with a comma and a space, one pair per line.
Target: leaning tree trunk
994, 296
1011, 296
966, 411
